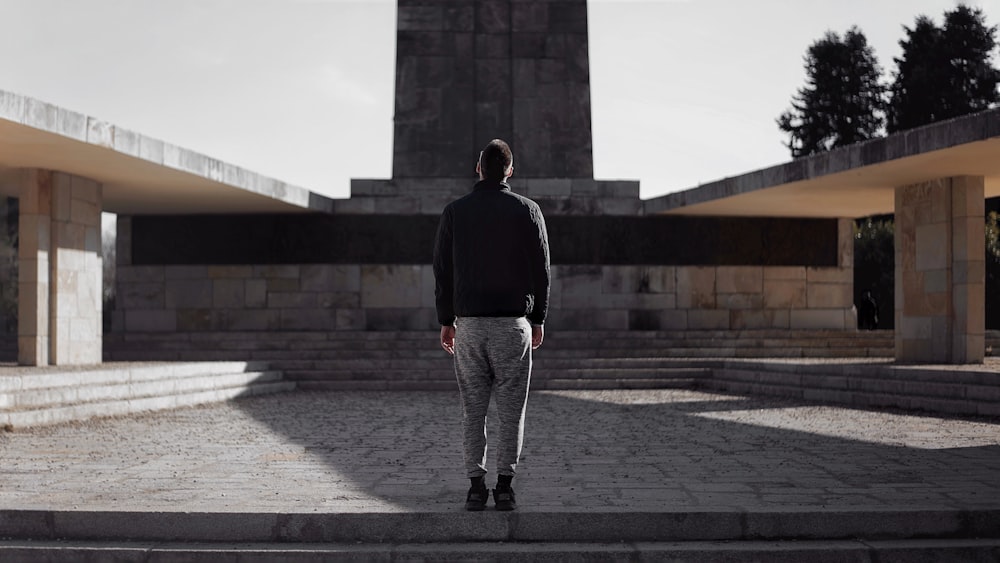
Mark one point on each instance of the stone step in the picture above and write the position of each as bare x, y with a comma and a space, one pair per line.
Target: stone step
563, 383
449, 384
861, 399
805, 524
447, 371
26, 378
32, 399
38, 396
444, 362
616, 340
79, 412
418, 339
863, 391
549, 351
817, 551
874, 377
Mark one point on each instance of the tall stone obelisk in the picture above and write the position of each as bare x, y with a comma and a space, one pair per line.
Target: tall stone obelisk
468, 71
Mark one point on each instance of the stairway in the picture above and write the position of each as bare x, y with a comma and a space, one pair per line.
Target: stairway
841, 367
810, 534
403, 360
31, 396
960, 390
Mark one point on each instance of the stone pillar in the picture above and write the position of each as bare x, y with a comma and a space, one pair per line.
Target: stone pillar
59, 306
940, 271
34, 246
845, 267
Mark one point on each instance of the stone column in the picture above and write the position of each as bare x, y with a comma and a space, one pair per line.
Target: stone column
34, 246
940, 271
60, 305
845, 267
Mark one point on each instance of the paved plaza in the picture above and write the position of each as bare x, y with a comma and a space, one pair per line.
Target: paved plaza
607, 451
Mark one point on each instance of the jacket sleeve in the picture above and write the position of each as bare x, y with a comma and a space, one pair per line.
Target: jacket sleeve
539, 267
444, 271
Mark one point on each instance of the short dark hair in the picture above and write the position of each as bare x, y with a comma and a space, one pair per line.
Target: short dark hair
495, 159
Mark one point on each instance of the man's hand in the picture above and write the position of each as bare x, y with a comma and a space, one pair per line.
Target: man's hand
537, 335
448, 339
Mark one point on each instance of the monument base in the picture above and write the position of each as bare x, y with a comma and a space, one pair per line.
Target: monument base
428, 196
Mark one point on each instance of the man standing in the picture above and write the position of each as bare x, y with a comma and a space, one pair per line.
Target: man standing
491, 266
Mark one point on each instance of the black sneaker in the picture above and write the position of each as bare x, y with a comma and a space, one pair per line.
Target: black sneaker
503, 496
477, 497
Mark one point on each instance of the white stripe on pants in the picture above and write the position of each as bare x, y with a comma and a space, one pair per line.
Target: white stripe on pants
493, 354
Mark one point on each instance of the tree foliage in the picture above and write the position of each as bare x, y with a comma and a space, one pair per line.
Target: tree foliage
843, 101
8, 266
875, 264
992, 271
944, 72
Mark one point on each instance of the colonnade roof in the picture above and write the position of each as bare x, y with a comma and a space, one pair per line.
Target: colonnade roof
853, 181
140, 175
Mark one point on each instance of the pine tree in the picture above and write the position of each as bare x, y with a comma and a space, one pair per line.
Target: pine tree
843, 101
944, 72
968, 43
916, 93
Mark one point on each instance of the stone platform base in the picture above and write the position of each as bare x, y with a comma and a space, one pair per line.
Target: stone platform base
34, 396
737, 537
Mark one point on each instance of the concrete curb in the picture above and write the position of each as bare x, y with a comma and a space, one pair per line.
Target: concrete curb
692, 552
417, 527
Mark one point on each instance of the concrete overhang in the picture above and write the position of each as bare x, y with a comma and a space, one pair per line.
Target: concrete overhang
140, 175
853, 181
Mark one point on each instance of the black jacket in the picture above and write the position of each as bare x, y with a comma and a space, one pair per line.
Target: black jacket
491, 257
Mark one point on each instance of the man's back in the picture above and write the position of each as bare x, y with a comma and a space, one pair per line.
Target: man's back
499, 254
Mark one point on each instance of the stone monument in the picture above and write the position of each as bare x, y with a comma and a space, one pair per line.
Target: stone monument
468, 71
471, 71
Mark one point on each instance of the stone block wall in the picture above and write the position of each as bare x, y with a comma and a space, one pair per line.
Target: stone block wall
329, 297
184, 291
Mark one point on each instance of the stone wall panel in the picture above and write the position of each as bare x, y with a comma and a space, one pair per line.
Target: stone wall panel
739, 279
785, 294
747, 319
708, 319
155, 320
390, 286
493, 16
140, 295
228, 294
813, 319
829, 295
405, 318
350, 319
696, 288
740, 301
188, 293
530, 17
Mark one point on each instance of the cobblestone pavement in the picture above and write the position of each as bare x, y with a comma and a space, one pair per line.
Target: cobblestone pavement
660, 450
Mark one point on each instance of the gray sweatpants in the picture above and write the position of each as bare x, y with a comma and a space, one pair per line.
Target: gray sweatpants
493, 354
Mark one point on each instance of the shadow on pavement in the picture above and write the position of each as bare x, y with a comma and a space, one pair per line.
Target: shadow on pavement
648, 451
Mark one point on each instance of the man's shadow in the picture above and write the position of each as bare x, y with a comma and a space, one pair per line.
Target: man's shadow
653, 452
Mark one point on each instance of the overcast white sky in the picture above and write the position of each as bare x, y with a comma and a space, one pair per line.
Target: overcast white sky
683, 91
